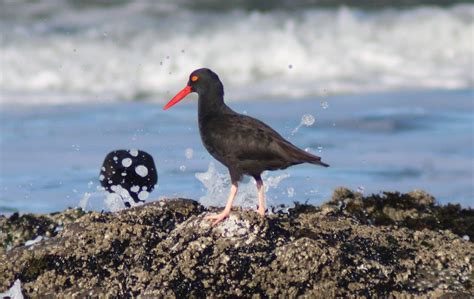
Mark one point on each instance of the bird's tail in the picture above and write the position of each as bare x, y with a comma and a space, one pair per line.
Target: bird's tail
300, 156
310, 158
318, 162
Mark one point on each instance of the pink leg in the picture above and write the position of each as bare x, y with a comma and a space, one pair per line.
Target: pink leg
224, 214
261, 197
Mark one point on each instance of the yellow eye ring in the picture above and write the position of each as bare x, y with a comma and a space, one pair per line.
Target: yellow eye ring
194, 78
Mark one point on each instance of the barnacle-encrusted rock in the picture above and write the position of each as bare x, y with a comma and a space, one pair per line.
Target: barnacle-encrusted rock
373, 246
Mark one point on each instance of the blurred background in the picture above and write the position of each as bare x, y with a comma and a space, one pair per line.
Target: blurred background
382, 90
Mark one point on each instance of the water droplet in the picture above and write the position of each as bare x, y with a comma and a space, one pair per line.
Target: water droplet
361, 189
126, 162
182, 168
141, 170
143, 195
134, 152
320, 149
115, 158
290, 191
290, 66
188, 153
182, 51
307, 120
324, 104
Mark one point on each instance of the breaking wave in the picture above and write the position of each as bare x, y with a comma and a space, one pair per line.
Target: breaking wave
55, 52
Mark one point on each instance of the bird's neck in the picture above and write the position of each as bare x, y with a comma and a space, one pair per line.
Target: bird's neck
210, 104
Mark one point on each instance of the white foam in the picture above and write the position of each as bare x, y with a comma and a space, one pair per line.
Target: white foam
14, 292
113, 202
337, 50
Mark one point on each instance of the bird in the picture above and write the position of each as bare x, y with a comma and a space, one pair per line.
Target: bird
245, 145
133, 171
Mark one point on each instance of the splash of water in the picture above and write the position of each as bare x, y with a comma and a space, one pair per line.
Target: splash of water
84, 202
188, 153
113, 202
14, 292
217, 186
307, 120
290, 191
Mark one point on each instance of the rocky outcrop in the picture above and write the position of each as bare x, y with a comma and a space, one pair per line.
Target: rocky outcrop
389, 244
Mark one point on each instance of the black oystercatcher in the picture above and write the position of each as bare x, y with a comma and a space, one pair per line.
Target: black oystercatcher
133, 171
242, 143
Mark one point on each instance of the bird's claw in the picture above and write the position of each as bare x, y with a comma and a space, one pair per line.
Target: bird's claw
218, 217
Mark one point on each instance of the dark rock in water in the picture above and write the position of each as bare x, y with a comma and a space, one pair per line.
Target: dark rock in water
415, 210
165, 249
130, 170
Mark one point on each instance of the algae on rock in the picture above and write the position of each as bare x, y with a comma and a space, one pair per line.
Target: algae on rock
380, 245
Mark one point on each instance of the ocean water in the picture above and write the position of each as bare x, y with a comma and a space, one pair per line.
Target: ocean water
51, 156
384, 94
60, 52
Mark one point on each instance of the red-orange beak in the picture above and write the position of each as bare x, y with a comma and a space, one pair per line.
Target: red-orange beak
178, 97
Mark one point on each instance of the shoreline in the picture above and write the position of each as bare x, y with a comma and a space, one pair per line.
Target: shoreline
378, 245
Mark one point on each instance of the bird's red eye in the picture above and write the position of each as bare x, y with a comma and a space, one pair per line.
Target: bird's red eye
194, 78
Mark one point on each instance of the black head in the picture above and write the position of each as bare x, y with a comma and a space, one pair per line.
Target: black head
205, 83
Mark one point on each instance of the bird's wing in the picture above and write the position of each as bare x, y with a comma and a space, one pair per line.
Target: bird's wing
252, 139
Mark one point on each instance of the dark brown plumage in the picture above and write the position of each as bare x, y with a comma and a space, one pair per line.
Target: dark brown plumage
245, 145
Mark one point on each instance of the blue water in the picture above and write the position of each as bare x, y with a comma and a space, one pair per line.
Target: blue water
51, 156
81, 79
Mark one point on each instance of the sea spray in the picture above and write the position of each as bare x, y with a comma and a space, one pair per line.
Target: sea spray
307, 120
339, 50
217, 186
84, 202
14, 292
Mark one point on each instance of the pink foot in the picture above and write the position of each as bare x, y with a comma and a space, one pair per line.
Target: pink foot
261, 211
218, 217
